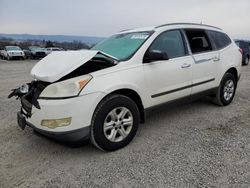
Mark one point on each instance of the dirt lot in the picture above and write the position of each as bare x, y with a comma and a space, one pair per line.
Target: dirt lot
190, 145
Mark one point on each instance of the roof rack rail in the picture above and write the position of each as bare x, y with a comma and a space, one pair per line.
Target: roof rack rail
187, 24
125, 30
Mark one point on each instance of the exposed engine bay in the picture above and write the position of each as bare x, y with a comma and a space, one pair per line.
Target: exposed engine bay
93, 65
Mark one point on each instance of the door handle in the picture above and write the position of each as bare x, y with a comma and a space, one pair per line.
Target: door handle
216, 58
185, 65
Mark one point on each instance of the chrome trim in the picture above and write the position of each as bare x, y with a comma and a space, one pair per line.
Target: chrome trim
203, 60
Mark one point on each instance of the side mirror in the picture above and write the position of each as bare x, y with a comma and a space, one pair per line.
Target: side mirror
155, 55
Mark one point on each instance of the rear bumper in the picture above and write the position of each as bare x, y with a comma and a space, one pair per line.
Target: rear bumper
67, 136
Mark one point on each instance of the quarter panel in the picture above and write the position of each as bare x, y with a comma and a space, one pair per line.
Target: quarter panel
230, 57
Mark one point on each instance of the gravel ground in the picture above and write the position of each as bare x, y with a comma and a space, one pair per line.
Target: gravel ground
189, 145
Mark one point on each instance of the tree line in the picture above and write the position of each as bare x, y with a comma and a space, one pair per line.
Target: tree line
24, 44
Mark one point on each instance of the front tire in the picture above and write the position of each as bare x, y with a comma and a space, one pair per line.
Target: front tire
226, 90
114, 123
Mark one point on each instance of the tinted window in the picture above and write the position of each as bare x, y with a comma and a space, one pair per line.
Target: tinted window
198, 41
245, 44
12, 48
170, 42
220, 40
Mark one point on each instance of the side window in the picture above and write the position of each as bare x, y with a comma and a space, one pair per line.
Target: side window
198, 40
170, 42
221, 40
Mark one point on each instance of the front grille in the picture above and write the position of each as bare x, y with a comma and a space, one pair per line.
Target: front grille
40, 54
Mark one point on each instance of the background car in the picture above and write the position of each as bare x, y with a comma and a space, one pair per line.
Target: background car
1, 53
35, 52
51, 49
245, 48
12, 52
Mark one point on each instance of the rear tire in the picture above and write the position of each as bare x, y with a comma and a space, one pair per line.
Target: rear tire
226, 90
114, 123
246, 61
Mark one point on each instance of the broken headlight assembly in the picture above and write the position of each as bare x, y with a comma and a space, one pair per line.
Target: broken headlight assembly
20, 91
67, 88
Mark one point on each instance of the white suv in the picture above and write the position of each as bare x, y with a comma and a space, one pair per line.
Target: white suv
103, 93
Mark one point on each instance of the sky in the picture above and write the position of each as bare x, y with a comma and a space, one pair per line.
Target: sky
105, 17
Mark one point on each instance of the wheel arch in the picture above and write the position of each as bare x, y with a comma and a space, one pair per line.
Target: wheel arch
132, 94
233, 71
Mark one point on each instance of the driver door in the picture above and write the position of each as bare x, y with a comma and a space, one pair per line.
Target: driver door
170, 79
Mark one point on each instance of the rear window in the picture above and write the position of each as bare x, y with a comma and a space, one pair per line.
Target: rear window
221, 40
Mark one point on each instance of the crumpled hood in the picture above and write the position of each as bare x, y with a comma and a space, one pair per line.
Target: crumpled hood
60, 63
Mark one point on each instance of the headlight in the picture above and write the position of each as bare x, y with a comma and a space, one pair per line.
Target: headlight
67, 88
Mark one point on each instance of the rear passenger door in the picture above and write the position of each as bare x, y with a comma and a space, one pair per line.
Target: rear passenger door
205, 69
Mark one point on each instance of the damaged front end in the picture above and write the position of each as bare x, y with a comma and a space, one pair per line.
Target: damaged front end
28, 94
57, 69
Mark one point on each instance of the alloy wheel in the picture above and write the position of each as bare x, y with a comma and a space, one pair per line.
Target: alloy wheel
229, 90
118, 124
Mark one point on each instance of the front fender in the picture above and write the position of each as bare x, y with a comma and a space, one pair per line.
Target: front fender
132, 79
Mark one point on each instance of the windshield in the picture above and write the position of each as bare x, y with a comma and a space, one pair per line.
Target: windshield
12, 48
123, 46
